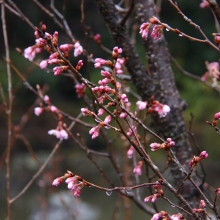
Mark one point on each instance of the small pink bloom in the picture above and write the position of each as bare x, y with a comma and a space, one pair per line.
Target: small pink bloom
217, 116
43, 64
138, 169
53, 109
66, 47
99, 62
156, 216
47, 99
80, 90
141, 105
38, 111
218, 191
106, 74
78, 49
155, 146
147, 199
30, 53
118, 66
54, 61
57, 181
154, 198
97, 38
108, 119
94, 132
203, 155
123, 115
124, 98
85, 112
157, 32
204, 4
202, 204
101, 111
130, 152
144, 30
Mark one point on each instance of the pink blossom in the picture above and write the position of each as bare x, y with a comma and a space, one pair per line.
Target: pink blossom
138, 169
118, 66
213, 69
40, 42
49, 36
97, 38
106, 74
103, 82
155, 146
78, 49
43, 64
53, 109
203, 155
80, 90
176, 217
141, 105
66, 47
116, 51
218, 191
86, 112
38, 111
54, 55
204, 4
202, 204
123, 115
124, 98
130, 152
161, 109
94, 132
30, 53
154, 198
59, 69
47, 99
217, 116
108, 119
79, 65
156, 216
144, 30
101, 111
170, 142
57, 181
157, 32
60, 134
99, 62
147, 199
54, 61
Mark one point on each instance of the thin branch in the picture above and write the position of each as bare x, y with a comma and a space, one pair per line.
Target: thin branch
9, 112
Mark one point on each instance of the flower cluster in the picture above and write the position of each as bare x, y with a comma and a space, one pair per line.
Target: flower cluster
156, 33
50, 43
158, 193
74, 183
201, 208
166, 146
164, 215
194, 162
213, 72
80, 90
59, 132
154, 106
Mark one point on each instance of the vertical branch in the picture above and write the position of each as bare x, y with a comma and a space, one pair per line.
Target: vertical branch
9, 111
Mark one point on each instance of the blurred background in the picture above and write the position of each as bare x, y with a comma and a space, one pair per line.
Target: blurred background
42, 201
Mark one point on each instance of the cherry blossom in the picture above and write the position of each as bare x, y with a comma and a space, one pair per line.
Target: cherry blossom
141, 105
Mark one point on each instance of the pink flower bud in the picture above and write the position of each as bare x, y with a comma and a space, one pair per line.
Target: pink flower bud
38, 111
43, 64
141, 105
57, 181
203, 155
